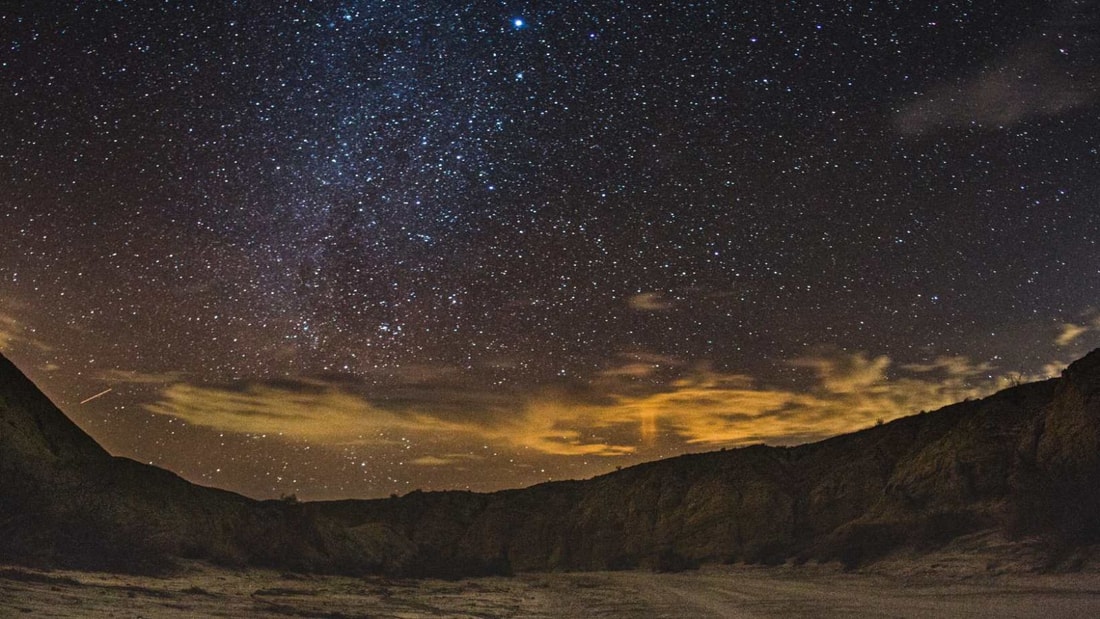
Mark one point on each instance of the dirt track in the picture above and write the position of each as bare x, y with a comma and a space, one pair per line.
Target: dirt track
711, 592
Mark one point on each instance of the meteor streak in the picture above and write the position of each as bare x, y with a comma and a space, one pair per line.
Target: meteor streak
101, 393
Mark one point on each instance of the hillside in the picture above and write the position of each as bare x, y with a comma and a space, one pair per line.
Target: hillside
1022, 461
66, 502
1025, 461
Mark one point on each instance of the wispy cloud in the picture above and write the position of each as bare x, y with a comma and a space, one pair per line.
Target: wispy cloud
14, 333
1026, 85
847, 373
1070, 333
448, 460
335, 414
133, 377
1041, 76
640, 365
844, 392
956, 365
649, 302
850, 392
9, 331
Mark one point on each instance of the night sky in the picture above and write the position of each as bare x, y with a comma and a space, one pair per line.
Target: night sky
347, 249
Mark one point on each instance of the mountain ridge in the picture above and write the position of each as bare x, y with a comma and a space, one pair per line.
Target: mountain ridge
1024, 461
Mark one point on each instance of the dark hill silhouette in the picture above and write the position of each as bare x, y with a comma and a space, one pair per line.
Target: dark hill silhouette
1024, 461
64, 501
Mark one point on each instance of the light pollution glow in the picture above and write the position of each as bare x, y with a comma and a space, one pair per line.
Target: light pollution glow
704, 409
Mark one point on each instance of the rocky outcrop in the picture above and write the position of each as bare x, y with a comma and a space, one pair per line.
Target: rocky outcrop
1058, 484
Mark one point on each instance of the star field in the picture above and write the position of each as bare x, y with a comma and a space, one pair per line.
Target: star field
354, 248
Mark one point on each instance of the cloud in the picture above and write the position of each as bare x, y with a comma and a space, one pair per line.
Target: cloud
444, 460
1070, 333
633, 370
848, 373
14, 333
649, 302
322, 414
9, 331
849, 392
1046, 75
332, 414
1029, 84
132, 377
708, 409
956, 366
604, 417
640, 365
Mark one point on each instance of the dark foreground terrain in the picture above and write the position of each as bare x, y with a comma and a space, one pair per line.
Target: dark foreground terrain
1021, 464
717, 591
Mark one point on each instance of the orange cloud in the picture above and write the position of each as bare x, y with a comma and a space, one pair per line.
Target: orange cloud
847, 392
13, 333
139, 378
649, 302
847, 373
322, 413
326, 413
9, 330
444, 460
640, 365
956, 366
1070, 333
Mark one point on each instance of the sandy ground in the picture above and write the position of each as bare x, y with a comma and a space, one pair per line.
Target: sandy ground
720, 591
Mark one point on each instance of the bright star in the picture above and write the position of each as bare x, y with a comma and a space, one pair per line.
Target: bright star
518, 23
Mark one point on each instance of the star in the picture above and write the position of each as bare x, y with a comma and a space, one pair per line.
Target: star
346, 221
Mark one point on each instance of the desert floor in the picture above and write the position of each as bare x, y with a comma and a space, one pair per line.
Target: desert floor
719, 591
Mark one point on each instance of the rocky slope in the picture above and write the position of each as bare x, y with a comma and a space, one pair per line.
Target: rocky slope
64, 501
1025, 461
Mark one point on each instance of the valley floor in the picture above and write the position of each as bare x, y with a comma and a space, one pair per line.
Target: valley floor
719, 591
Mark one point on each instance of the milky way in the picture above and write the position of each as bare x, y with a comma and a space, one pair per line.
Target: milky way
355, 248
